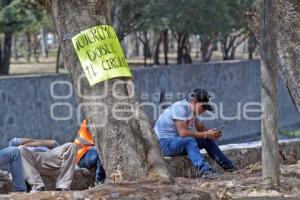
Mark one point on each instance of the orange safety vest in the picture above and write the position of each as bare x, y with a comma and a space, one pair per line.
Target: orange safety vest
84, 140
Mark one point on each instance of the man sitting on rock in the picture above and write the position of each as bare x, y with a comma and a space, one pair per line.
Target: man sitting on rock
11, 156
180, 132
45, 157
87, 155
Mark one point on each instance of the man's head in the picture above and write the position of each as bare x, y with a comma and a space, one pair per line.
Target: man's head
200, 99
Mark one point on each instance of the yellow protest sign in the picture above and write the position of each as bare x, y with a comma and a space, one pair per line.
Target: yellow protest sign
100, 54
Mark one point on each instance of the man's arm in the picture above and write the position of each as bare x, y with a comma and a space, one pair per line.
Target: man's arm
200, 126
29, 142
184, 132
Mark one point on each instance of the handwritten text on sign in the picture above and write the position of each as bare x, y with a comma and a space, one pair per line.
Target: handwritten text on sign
100, 54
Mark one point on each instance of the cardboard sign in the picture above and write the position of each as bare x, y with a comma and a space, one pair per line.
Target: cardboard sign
100, 54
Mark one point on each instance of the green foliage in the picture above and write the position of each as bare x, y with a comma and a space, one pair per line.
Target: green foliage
20, 15
195, 16
295, 133
128, 16
235, 15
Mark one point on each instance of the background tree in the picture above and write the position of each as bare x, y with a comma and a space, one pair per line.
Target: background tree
234, 26
128, 145
15, 16
269, 93
288, 43
209, 19
127, 16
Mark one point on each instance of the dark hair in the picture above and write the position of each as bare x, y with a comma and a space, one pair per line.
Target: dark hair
202, 95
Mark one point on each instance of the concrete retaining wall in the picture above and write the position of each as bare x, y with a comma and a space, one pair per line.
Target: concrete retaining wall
44, 106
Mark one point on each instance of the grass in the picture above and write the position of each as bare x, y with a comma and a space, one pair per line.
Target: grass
292, 134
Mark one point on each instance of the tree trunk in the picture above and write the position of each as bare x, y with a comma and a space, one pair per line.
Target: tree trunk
181, 38
35, 45
269, 93
44, 45
288, 45
14, 48
251, 45
225, 50
27, 46
207, 48
166, 46
128, 145
232, 53
59, 60
5, 62
157, 49
136, 45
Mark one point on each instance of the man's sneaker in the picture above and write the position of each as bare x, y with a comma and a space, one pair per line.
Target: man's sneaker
231, 168
41, 189
62, 189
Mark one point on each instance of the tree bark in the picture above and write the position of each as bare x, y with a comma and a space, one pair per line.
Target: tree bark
5, 62
59, 60
269, 93
127, 145
27, 46
44, 45
251, 45
166, 46
288, 45
207, 48
157, 49
181, 38
14, 48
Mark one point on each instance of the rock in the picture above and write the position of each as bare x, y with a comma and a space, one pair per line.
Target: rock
242, 155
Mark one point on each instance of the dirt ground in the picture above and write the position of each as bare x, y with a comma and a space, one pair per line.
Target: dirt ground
242, 184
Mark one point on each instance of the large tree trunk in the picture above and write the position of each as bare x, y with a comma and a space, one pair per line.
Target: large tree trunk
288, 43
127, 145
269, 93
288, 46
5, 62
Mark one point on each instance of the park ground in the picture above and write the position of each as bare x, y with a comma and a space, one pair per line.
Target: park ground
240, 185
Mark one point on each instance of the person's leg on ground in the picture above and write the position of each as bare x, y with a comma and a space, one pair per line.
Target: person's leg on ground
215, 153
30, 162
91, 159
12, 156
182, 146
60, 161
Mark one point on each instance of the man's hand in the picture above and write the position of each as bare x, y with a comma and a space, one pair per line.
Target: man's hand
213, 134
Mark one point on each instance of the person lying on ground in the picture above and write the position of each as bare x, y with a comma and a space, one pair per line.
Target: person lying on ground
46, 157
11, 156
87, 155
